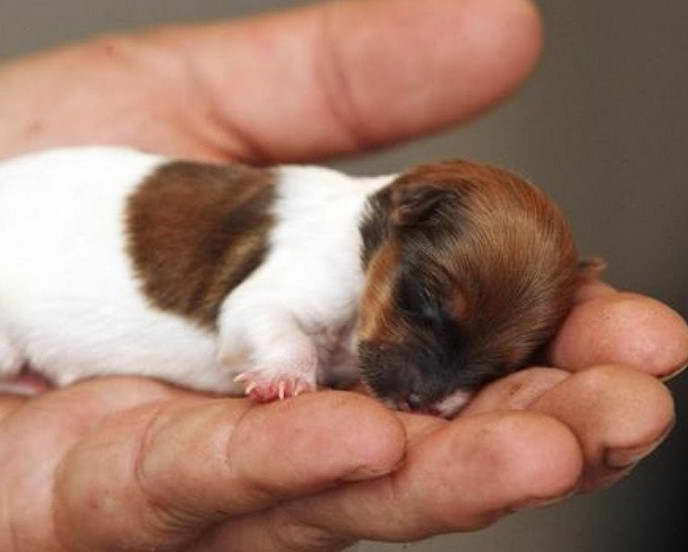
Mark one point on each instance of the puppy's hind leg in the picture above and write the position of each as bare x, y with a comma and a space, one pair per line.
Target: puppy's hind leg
11, 359
11, 363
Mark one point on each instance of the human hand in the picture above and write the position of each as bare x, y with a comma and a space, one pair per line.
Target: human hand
332, 78
130, 463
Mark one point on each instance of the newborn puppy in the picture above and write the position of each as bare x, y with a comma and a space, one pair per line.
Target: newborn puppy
268, 282
469, 270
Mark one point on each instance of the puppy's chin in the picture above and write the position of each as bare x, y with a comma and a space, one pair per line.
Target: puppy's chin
452, 404
447, 408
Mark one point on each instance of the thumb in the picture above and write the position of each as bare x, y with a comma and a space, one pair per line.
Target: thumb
329, 78
345, 76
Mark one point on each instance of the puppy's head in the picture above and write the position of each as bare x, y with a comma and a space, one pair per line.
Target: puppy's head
469, 270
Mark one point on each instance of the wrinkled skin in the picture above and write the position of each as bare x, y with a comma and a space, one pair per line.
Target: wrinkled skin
133, 464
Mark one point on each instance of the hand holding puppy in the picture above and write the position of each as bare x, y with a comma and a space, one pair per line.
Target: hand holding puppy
132, 463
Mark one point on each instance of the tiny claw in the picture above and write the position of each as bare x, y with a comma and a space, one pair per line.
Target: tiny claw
241, 377
250, 387
280, 392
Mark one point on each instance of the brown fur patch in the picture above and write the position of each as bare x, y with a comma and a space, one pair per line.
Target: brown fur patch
494, 250
196, 231
377, 302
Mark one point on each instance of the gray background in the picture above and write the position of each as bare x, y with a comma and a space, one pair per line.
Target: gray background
603, 127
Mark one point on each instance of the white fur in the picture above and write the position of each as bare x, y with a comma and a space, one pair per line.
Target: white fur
297, 311
452, 403
71, 307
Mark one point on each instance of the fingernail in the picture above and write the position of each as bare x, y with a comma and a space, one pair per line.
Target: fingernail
363, 473
611, 479
619, 459
674, 374
539, 502
624, 458
367, 472
533, 503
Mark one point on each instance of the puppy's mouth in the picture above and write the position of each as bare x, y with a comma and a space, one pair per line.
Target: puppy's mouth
447, 408
405, 406
453, 403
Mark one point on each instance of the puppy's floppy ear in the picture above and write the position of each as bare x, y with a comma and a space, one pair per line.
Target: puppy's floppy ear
418, 202
415, 203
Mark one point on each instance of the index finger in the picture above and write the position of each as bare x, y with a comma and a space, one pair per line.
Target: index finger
160, 474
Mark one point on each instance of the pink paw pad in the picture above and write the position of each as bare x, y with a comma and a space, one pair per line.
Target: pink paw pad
265, 389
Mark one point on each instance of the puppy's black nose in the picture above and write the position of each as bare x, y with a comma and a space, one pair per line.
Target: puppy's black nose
415, 401
410, 402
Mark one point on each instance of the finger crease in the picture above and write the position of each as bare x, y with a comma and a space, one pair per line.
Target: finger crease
302, 536
253, 486
335, 85
251, 150
165, 518
393, 502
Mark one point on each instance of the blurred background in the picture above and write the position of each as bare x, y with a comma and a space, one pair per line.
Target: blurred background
603, 127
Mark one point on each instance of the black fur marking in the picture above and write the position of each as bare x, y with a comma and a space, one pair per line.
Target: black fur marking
436, 360
428, 370
374, 226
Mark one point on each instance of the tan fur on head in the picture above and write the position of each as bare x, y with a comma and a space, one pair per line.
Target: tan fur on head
515, 250
377, 316
481, 254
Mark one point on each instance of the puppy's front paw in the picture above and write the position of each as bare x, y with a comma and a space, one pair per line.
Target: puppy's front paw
267, 386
